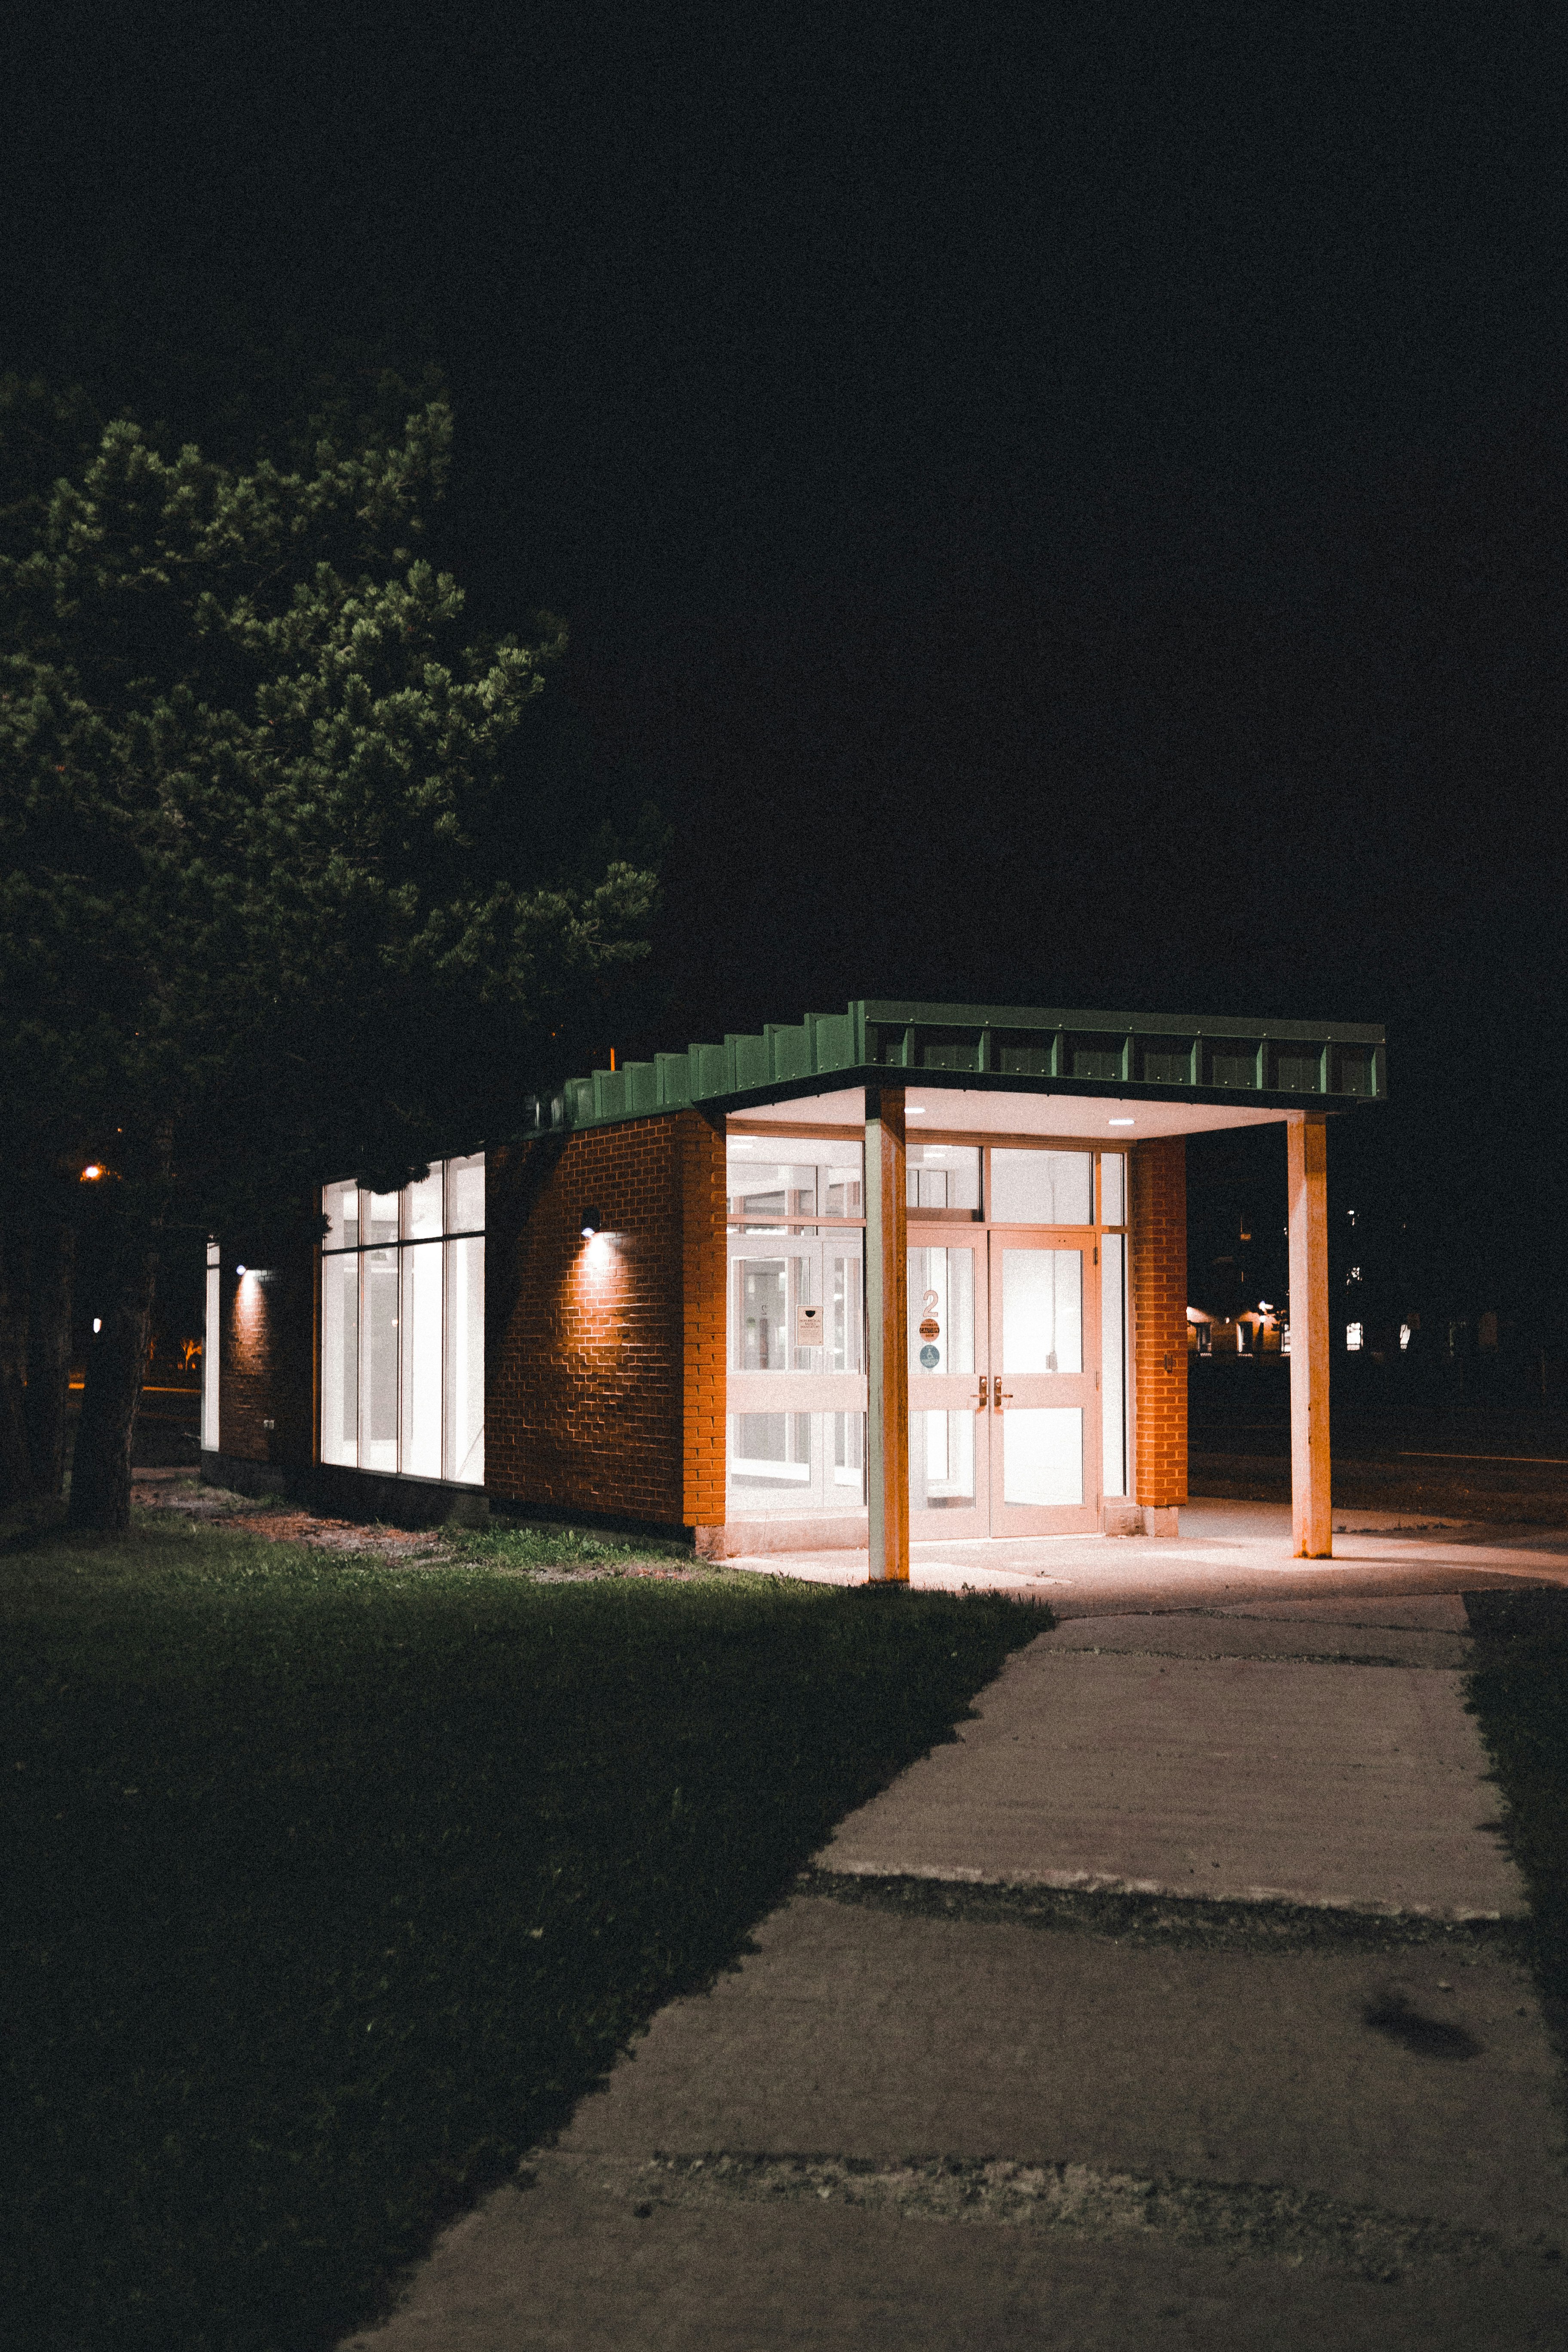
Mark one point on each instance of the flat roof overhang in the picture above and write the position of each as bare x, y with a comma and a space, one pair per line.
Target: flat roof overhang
998, 1069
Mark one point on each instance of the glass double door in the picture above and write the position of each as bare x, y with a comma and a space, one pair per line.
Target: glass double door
1005, 1408
1004, 1385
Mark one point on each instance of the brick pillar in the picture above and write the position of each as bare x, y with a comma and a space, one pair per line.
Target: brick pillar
1159, 1233
704, 1274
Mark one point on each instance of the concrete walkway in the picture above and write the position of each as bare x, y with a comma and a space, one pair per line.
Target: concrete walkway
1178, 2001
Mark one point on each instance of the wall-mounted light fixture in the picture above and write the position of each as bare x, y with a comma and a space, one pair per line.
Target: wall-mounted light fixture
239, 1269
592, 1224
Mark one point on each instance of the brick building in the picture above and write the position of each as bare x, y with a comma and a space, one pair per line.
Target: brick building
908, 1272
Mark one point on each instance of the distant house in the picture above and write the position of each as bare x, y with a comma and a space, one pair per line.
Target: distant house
1255, 1332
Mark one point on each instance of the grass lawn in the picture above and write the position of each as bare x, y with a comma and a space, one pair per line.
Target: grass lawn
1520, 1692
334, 1885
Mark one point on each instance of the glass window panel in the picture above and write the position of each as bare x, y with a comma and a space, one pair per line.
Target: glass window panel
1113, 1189
1042, 1188
340, 1358
384, 1208
796, 1464
1042, 1454
766, 1298
771, 1449
422, 1206
942, 1460
378, 1357
817, 1180
848, 1456
465, 1355
845, 1313
340, 1205
942, 1176
1042, 1311
1114, 1359
419, 1331
940, 1311
212, 1350
465, 1194
840, 1184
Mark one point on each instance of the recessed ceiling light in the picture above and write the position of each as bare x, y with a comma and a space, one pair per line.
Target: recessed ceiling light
1122, 1122
917, 1110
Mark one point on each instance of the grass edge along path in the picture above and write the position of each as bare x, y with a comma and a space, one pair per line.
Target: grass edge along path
337, 1884
1519, 1693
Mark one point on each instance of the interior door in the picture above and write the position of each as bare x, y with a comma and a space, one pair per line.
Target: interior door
949, 1460
1044, 1416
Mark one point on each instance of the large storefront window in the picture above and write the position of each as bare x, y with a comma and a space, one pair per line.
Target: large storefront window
797, 1366
402, 1326
1018, 1333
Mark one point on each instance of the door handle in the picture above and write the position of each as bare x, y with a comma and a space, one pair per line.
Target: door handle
1002, 1396
979, 1401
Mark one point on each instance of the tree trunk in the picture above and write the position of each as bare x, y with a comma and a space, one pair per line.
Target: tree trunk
15, 1472
116, 1368
51, 1291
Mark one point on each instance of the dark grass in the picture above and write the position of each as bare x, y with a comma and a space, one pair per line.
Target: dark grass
333, 1886
1519, 1690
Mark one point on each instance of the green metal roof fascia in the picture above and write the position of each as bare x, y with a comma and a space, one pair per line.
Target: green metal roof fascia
1152, 1025
987, 1082
792, 1059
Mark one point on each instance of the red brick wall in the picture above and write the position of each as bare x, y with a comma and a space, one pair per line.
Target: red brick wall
605, 1361
1159, 1320
266, 1366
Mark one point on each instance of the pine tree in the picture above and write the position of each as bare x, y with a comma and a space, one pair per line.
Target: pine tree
272, 900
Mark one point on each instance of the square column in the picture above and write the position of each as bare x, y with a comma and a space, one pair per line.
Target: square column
887, 1338
1312, 1505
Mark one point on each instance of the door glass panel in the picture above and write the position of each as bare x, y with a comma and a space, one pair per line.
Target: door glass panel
942, 1176
942, 1460
940, 1311
1113, 1189
1042, 1311
1042, 1454
1042, 1188
1114, 1359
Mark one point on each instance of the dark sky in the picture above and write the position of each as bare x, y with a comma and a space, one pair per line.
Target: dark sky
1057, 505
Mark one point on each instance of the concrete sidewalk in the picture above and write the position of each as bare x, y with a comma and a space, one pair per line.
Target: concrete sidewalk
1179, 2001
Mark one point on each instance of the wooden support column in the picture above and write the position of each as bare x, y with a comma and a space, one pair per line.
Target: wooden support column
1312, 1505
887, 1338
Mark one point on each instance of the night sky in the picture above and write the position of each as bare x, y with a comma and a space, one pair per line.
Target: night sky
1055, 505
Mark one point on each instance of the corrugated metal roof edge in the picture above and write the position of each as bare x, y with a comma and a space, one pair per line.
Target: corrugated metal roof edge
1070, 1052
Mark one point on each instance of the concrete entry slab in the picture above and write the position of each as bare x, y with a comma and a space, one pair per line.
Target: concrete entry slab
1255, 1778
